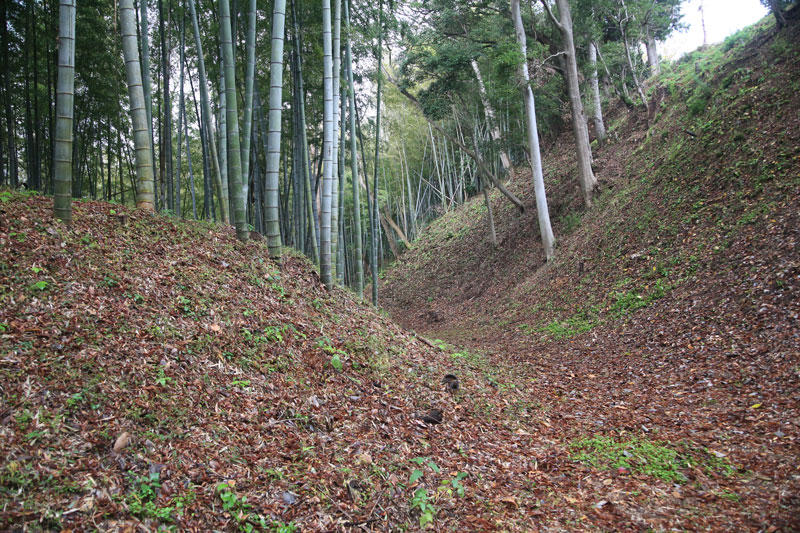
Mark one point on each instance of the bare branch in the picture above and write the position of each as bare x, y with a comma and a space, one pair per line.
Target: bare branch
553, 19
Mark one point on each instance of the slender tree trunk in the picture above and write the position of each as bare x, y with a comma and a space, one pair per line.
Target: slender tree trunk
579, 129
652, 52
337, 61
62, 157
300, 91
51, 98
327, 150
232, 126
146, 79
597, 111
703, 23
249, 76
206, 117
13, 161
222, 125
145, 197
274, 134
623, 28
30, 157
36, 173
119, 168
490, 117
182, 119
167, 111
375, 216
340, 248
108, 161
546, 231
359, 263
204, 153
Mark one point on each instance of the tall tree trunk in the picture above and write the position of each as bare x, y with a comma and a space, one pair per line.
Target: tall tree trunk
222, 125
579, 129
36, 174
777, 10
375, 215
13, 160
30, 149
232, 126
62, 157
597, 111
206, 115
146, 79
327, 147
623, 28
145, 196
546, 231
359, 263
652, 51
340, 248
249, 76
300, 91
166, 141
185, 120
490, 117
337, 62
274, 134
182, 116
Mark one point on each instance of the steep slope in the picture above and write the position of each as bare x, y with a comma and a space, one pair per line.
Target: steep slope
672, 309
159, 373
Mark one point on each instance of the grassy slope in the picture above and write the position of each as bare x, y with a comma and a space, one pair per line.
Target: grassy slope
673, 305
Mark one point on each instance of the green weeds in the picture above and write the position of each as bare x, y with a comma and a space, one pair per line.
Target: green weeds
654, 458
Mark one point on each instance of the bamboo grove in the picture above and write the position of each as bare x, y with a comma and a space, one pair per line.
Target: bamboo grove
337, 127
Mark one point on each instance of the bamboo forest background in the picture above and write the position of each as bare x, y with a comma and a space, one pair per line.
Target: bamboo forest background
446, 101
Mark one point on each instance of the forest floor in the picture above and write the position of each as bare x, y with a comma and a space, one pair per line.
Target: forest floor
159, 374
659, 353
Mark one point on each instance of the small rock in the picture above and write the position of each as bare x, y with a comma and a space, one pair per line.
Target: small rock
156, 468
434, 416
364, 458
450, 382
123, 440
289, 498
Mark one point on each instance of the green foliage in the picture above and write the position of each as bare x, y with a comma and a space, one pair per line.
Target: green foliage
142, 501
40, 286
582, 321
625, 302
161, 377
654, 458
245, 517
570, 222
422, 505
336, 362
